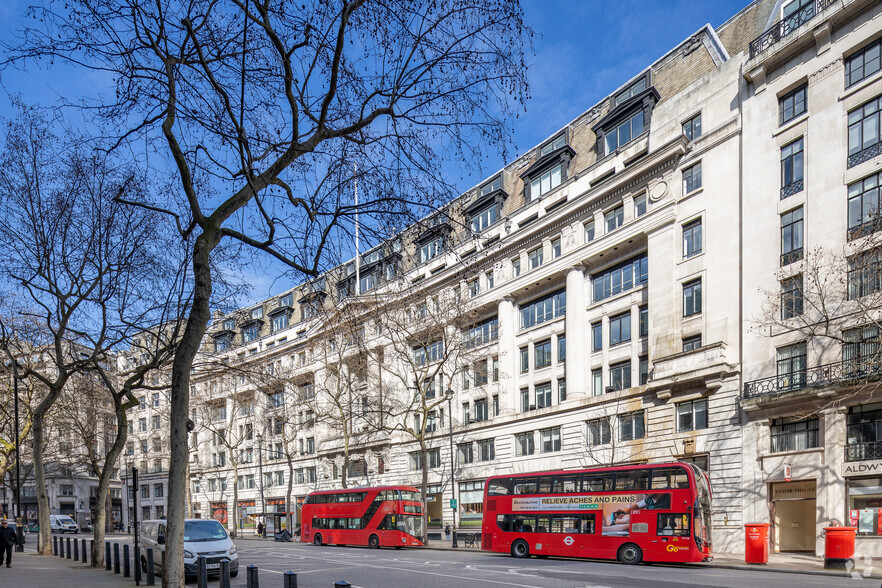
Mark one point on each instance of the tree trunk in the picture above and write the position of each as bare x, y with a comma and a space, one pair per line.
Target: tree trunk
424, 454
235, 530
44, 540
291, 507
185, 354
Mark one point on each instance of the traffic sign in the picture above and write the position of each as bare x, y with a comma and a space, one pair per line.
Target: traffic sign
453, 503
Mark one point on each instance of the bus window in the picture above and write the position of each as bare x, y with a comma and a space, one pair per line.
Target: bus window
632, 480
564, 524
597, 482
499, 487
673, 524
543, 524
545, 485
566, 483
588, 523
524, 486
663, 478
505, 522
405, 495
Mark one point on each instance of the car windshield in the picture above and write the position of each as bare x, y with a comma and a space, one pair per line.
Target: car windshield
204, 531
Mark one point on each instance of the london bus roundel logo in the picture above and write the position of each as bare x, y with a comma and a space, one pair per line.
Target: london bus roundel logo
568, 540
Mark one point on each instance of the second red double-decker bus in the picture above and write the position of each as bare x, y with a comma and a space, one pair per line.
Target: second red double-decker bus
385, 516
654, 512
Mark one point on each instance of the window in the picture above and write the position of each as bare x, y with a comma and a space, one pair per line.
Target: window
250, 333
863, 432
495, 405
158, 490
548, 180
792, 104
692, 238
620, 375
434, 458
596, 336
791, 169
490, 280
534, 258
643, 368
550, 439
486, 450
598, 432
543, 395
485, 217
561, 348
863, 207
465, 453
620, 329
614, 218
157, 421
481, 411
791, 236
691, 343
692, 178
863, 132
692, 127
483, 332
640, 206
480, 372
474, 287
692, 415
524, 444
644, 321
589, 231
596, 382
692, 298
525, 359
791, 366
864, 274
542, 354
791, 297
525, 399
860, 351
620, 278
862, 64
415, 460
230, 324
516, 267
221, 344
310, 446
555, 248
145, 491
155, 399
432, 422
561, 390
794, 436
631, 91
428, 353
544, 309
624, 132
466, 413
280, 321
631, 426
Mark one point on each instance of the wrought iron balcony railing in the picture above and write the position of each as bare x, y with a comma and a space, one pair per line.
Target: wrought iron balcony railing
850, 371
787, 25
791, 189
863, 451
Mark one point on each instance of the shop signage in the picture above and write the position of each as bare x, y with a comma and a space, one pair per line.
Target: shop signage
793, 491
862, 468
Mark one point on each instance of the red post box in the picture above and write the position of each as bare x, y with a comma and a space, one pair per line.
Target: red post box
756, 547
839, 547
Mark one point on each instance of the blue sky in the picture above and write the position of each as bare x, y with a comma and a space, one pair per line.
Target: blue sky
584, 49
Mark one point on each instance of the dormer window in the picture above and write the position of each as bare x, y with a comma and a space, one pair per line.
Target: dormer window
631, 91
550, 170
487, 207
547, 181
372, 257
431, 249
485, 218
491, 186
628, 118
250, 333
230, 325
624, 132
256, 313
221, 344
554, 145
286, 300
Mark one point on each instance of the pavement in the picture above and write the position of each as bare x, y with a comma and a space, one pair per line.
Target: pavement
436, 565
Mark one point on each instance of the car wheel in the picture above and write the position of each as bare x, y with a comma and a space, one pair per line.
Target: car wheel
520, 549
317, 540
630, 554
143, 565
374, 542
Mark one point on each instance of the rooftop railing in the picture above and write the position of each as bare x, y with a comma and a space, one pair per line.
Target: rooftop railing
787, 25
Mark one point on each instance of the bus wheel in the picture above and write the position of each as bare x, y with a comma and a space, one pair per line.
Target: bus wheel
630, 554
317, 540
374, 542
520, 549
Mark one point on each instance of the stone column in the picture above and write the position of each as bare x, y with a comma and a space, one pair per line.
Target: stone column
507, 356
577, 329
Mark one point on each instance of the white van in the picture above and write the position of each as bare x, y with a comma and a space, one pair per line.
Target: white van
63, 524
201, 537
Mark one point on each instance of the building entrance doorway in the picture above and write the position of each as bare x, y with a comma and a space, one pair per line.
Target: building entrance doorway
794, 512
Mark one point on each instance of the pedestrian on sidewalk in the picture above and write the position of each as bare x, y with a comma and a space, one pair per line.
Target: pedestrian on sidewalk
8, 540
447, 533
260, 529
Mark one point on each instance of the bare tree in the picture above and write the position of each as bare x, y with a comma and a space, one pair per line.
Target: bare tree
264, 108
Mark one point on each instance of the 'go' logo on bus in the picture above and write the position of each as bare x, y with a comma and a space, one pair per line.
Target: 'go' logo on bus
673, 548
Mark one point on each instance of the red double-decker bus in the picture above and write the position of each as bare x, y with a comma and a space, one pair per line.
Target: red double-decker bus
385, 516
653, 512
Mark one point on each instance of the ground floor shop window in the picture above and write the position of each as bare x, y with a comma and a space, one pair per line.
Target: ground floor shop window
471, 501
864, 504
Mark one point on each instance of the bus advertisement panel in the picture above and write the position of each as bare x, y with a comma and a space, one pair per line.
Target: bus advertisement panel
658, 512
385, 516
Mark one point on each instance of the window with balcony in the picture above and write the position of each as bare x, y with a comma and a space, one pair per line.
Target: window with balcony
790, 435
791, 236
631, 426
863, 63
791, 366
692, 415
599, 432
791, 297
614, 218
860, 352
524, 444
864, 274
792, 104
863, 207
620, 329
692, 127
864, 432
791, 168
692, 298
692, 178
863, 132
620, 375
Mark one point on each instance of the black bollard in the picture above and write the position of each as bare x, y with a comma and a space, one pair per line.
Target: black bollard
76, 553
115, 557
54, 545
127, 565
342, 584
225, 574
136, 561
85, 559
107, 555
251, 579
201, 572
289, 580
67, 548
151, 580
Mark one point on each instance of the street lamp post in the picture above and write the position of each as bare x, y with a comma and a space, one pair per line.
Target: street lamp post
260, 480
453, 505
19, 530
